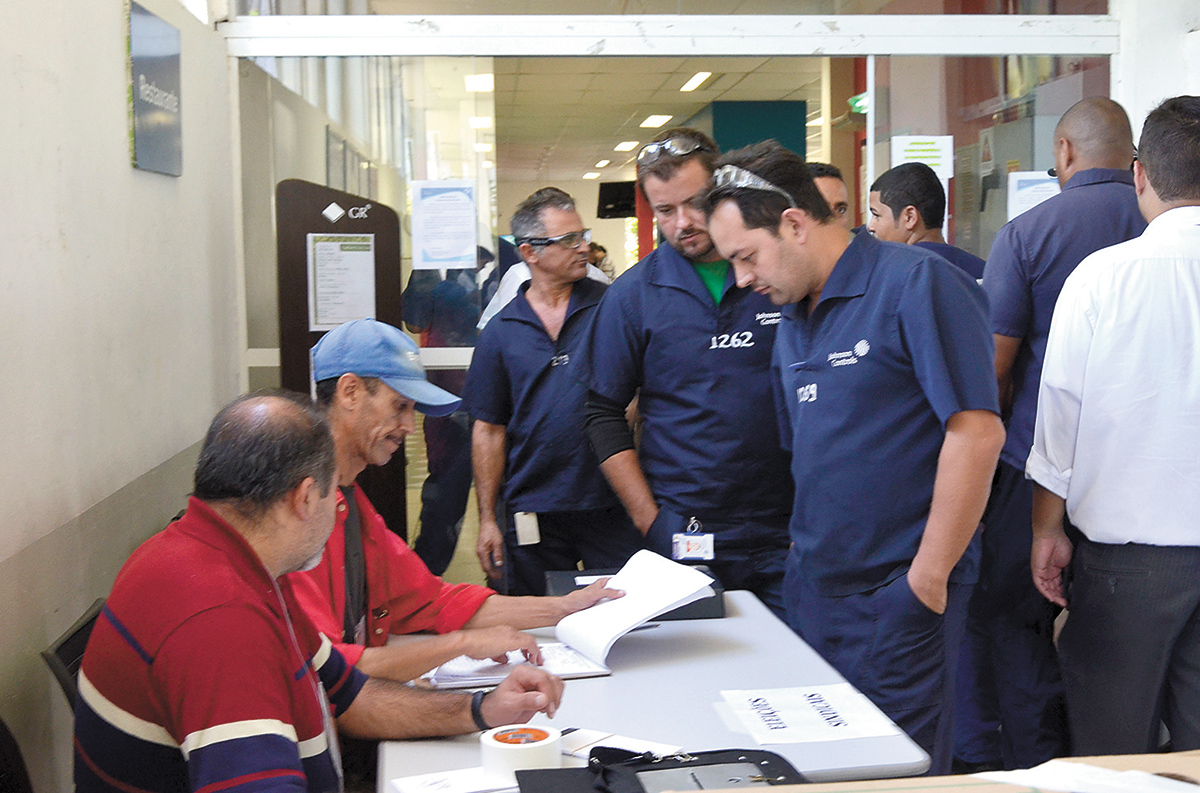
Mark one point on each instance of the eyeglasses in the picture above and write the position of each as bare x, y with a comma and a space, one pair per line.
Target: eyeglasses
731, 176
676, 147
572, 239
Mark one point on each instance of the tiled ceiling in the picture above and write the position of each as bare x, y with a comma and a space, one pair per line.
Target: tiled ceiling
557, 117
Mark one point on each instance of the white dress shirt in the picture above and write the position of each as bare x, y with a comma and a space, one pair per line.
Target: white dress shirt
1118, 419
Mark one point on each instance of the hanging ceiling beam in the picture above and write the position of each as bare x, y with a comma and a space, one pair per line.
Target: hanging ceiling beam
671, 35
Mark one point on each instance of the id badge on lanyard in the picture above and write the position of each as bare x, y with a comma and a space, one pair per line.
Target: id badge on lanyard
693, 545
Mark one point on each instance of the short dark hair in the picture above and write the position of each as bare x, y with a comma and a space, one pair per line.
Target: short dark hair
913, 184
327, 389
761, 209
1170, 149
527, 220
824, 169
664, 166
260, 447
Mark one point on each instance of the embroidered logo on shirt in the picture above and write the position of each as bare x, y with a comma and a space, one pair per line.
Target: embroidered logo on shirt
768, 317
807, 393
560, 360
850, 356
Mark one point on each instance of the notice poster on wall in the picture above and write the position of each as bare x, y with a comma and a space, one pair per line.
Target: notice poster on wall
1027, 189
443, 224
341, 279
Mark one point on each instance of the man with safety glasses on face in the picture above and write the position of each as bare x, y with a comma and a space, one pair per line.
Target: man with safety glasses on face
528, 411
710, 483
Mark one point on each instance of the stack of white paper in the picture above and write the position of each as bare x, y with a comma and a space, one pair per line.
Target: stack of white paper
653, 585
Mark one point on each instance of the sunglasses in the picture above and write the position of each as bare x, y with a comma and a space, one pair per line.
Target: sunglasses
572, 239
676, 147
731, 176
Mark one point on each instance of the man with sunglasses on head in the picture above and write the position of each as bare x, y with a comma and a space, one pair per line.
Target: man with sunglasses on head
528, 411
709, 483
883, 370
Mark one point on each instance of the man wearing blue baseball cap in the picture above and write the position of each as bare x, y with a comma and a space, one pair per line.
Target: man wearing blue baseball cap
369, 584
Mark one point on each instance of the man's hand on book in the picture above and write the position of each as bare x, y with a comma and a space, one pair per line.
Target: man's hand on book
496, 643
528, 690
589, 596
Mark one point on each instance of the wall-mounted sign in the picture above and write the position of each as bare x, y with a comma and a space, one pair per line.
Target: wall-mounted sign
443, 224
154, 94
341, 278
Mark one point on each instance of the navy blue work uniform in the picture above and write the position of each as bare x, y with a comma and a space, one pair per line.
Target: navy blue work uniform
1011, 698
522, 379
897, 345
968, 262
710, 445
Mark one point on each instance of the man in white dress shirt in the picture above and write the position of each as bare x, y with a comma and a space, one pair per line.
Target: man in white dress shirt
1117, 446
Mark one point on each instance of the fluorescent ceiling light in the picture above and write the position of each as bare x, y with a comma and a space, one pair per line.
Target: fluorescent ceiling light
626, 145
480, 83
816, 122
591, 175
654, 122
697, 80
487, 164
603, 163
483, 147
480, 122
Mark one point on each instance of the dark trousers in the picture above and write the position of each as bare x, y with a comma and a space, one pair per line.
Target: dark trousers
1131, 647
1011, 706
893, 649
597, 538
446, 490
749, 554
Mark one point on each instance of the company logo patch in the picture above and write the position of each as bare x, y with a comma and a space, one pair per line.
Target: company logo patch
768, 317
847, 357
333, 213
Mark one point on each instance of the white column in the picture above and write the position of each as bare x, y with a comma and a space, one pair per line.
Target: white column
1159, 55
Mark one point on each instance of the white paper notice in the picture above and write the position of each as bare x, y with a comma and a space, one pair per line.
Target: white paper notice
1027, 189
804, 715
341, 279
1083, 778
443, 224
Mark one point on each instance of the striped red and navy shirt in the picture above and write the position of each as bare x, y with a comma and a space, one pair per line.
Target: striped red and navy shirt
194, 680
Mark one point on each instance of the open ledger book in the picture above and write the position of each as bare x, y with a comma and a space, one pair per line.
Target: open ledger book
652, 584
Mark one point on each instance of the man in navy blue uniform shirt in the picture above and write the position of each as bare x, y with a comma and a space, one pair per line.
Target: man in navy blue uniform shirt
695, 348
884, 370
1012, 710
908, 205
528, 410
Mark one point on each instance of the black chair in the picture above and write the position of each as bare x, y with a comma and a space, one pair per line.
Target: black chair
65, 656
14, 778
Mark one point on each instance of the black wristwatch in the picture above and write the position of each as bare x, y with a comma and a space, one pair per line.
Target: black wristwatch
477, 709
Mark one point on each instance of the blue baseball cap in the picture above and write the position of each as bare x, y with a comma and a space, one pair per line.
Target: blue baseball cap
369, 348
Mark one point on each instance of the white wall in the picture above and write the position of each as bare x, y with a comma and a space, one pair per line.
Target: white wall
1158, 58
119, 325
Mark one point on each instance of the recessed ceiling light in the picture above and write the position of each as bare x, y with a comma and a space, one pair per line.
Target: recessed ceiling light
654, 122
697, 80
480, 83
626, 145
816, 122
591, 175
480, 122
603, 163
483, 147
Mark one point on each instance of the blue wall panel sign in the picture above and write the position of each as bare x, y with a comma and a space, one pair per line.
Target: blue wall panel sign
155, 97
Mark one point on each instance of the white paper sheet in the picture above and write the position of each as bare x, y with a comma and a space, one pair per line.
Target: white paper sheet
464, 780
1082, 778
811, 713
